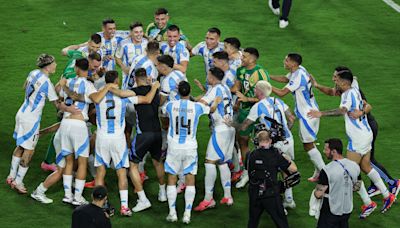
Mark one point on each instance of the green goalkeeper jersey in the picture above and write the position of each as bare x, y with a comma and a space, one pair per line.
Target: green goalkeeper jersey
153, 32
69, 71
249, 79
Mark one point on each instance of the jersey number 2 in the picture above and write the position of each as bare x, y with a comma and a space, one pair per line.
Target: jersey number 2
110, 116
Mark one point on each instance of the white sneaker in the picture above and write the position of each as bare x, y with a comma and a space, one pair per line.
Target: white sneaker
68, 199
276, 11
80, 201
243, 181
41, 197
289, 204
140, 206
172, 217
162, 196
186, 218
283, 24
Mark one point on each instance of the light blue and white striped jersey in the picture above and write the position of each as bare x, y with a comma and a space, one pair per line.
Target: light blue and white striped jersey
301, 87
109, 47
169, 86
83, 86
266, 108
236, 63
183, 120
38, 88
85, 51
110, 114
224, 109
178, 52
140, 61
202, 50
229, 78
355, 128
127, 50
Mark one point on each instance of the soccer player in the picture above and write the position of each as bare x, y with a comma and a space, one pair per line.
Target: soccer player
299, 84
110, 138
147, 139
129, 48
232, 47
175, 49
207, 48
276, 109
83, 50
37, 87
392, 182
220, 145
182, 147
157, 30
246, 78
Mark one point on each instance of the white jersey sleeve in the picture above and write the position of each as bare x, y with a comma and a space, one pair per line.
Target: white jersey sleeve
195, 50
133, 100
51, 93
294, 82
253, 116
89, 91
346, 101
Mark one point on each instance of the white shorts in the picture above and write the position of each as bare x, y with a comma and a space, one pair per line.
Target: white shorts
60, 159
74, 138
220, 146
308, 129
181, 159
287, 147
26, 133
360, 145
111, 148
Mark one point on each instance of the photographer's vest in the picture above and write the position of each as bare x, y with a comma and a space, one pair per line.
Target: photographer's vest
341, 185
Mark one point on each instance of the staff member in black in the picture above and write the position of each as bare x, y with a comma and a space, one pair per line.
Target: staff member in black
92, 215
263, 165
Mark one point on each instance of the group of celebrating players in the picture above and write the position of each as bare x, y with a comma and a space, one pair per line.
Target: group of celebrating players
155, 101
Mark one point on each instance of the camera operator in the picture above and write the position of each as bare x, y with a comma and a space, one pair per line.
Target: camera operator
263, 165
92, 214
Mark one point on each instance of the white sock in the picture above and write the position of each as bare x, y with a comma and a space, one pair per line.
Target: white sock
316, 158
67, 182
21, 174
289, 194
374, 176
171, 196
41, 188
14, 166
142, 196
189, 198
364, 194
164, 135
123, 195
79, 185
209, 180
225, 179
162, 188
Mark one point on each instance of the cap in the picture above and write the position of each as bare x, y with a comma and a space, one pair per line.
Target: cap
99, 192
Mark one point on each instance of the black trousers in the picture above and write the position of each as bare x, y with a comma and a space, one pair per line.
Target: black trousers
273, 206
285, 8
329, 220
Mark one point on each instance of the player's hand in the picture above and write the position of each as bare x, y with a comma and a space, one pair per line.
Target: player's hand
112, 86
313, 81
62, 82
241, 97
356, 114
314, 114
156, 85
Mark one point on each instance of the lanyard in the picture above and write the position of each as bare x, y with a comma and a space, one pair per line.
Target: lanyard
347, 172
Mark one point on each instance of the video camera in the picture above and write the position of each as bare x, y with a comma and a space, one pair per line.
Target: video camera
276, 130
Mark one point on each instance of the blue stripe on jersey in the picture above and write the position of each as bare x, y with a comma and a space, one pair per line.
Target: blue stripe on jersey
201, 51
126, 55
43, 89
123, 159
352, 108
216, 147
306, 92
20, 140
172, 85
29, 89
81, 90
82, 148
183, 120
220, 106
149, 69
279, 114
141, 62
306, 125
169, 111
110, 112
199, 110
178, 50
350, 145
163, 47
261, 109
189, 169
98, 116
124, 103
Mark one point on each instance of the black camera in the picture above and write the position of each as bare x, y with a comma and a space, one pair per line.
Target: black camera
276, 131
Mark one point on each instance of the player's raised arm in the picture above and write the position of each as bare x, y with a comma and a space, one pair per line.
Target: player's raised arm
279, 78
280, 92
150, 95
99, 95
324, 89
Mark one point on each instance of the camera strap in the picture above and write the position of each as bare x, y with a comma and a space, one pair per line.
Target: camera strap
347, 172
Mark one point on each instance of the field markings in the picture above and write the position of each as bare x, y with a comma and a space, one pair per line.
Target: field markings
392, 4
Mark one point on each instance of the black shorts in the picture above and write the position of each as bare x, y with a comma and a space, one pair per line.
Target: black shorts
143, 143
329, 220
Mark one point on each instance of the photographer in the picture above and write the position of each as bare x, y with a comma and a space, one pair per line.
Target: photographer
92, 215
263, 165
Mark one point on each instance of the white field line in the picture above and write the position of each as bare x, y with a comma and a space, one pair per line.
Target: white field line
392, 4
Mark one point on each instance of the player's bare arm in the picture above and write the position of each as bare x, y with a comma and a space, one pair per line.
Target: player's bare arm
182, 67
280, 92
290, 118
150, 95
333, 112
279, 78
215, 104
236, 87
99, 95
124, 68
324, 89
246, 123
243, 98
50, 129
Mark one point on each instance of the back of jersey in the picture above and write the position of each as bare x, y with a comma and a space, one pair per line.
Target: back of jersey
184, 117
169, 86
224, 109
276, 110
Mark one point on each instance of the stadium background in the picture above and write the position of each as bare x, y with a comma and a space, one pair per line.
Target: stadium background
360, 34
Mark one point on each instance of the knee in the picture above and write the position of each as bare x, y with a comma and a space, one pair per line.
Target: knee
24, 162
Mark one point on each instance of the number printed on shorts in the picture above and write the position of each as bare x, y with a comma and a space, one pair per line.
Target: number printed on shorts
110, 109
181, 124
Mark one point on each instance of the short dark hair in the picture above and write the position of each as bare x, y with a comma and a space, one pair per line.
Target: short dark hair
335, 144
140, 72
173, 28
295, 57
108, 21
214, 30
252, 51
184, 88
167, 60
339, 69
223, 55
346, 75
218, 73
235, 42
96, 38
160, 11
152, 47
82, 64
111, 76
94, 56
99, 192
135, 24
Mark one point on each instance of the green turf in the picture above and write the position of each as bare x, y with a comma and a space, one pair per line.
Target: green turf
360, 34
